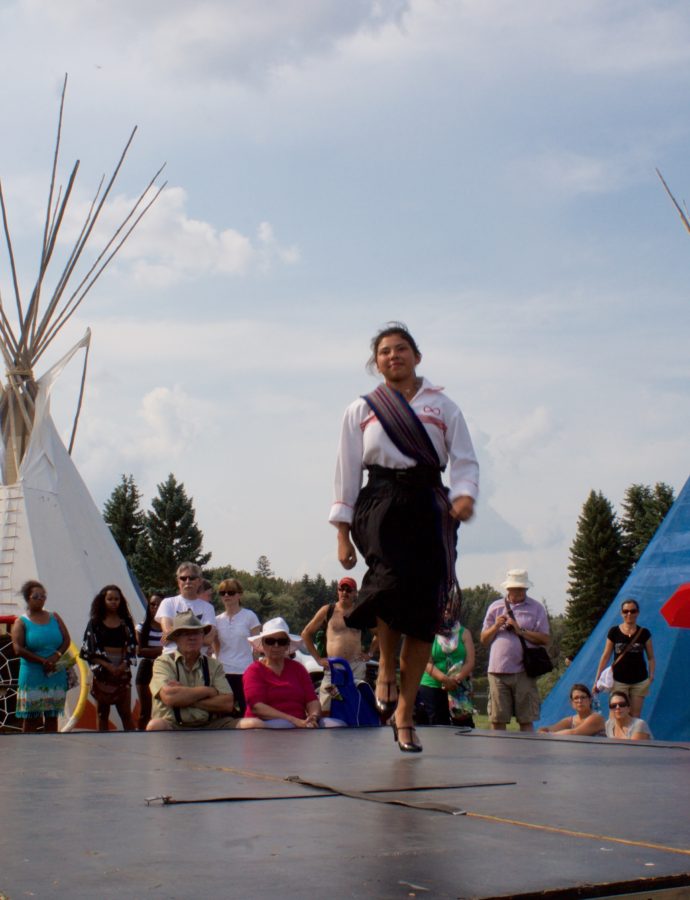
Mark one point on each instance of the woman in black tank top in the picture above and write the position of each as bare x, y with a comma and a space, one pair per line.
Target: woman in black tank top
109, 647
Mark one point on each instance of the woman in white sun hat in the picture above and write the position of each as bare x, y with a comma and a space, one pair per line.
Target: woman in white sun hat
278, 690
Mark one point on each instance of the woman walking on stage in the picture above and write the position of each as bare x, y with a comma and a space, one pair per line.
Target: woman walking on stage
403, 521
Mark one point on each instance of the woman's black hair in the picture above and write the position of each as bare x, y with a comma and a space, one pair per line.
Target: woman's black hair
147, 624
389, 329
98, 606
580, 687
631, 600
27, 589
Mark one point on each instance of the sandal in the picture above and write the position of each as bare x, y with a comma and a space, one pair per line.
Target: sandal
387, 707
411, 746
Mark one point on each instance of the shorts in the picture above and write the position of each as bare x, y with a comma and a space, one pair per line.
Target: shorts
218, 724
144, 671
513, 695
640, 689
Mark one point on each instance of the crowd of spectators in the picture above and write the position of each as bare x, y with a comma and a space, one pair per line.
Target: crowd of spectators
197, 669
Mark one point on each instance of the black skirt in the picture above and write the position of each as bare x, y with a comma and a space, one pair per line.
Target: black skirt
403, 529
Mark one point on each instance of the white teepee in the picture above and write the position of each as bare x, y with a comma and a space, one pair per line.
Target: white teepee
50, 528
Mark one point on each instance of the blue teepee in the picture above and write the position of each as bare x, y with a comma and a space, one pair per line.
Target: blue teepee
663, 567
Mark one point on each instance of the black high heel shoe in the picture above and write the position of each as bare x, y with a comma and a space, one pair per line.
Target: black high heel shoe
386, 708
406, 746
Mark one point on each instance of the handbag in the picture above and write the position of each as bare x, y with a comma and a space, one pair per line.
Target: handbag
536, 660
606, 679
352, 703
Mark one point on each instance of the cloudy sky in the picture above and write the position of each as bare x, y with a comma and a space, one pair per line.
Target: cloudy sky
482, 170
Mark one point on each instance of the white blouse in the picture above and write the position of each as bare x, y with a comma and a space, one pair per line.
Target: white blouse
363, 442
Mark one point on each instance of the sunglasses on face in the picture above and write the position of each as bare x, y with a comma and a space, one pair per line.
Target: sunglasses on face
229, 593
276, 642
617, 705
345, 590
187, 577
630, 612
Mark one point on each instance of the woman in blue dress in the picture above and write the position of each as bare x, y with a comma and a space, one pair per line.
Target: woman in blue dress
39, 638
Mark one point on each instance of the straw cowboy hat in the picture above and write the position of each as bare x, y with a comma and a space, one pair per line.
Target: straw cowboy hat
272, 627
516, 578
186, 621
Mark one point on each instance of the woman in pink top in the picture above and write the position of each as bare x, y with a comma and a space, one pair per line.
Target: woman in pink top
278, 690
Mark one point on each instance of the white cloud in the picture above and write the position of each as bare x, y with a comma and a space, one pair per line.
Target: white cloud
216, 39
167, 247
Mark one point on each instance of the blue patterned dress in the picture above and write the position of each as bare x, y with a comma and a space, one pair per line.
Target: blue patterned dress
39, 693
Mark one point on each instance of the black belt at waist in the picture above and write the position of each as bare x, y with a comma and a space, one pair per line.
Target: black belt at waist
415, 476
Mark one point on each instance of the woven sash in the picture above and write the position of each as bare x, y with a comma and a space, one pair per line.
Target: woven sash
402, 425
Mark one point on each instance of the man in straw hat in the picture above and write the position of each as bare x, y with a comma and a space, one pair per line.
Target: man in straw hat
511, 691
189, 690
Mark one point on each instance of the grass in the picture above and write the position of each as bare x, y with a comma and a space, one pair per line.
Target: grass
482, 721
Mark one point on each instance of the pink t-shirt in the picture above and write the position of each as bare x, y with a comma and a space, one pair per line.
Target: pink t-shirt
288, 692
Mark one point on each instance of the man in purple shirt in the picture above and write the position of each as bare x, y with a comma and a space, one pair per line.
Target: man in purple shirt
511, 691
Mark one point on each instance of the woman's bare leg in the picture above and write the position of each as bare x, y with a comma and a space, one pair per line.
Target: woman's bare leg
636, 707
389, 643
145, 703
103, 716
413, 659
124, 710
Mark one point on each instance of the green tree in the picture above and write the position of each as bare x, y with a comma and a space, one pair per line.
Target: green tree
262, 587
597, 569
170, 536
123, 515
644, 509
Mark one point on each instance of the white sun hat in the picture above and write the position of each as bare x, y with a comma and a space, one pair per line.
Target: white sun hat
516, 578
272, 627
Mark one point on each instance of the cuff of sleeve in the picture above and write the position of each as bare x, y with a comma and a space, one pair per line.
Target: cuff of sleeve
465, 489
341, 512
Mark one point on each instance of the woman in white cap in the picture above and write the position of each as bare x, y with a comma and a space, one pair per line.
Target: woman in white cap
278, 690
404, 521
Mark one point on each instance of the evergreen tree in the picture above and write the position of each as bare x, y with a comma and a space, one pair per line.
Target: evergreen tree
597, 570
124, 517
644, 509
263, 573
170, 536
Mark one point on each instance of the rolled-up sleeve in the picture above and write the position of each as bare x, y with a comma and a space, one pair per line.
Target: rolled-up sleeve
464, 468
348, 469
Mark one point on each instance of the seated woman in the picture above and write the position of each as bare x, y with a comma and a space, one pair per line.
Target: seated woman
621, 724
277, 689
585, 720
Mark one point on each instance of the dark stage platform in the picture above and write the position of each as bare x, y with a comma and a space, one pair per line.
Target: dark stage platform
543, 817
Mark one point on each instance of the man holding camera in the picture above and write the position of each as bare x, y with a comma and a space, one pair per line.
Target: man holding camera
511, 691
